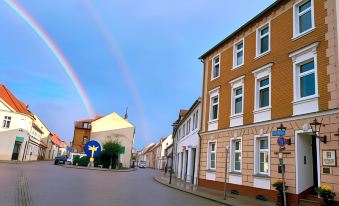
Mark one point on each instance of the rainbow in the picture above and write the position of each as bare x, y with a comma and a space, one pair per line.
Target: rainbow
122, 65
43, 36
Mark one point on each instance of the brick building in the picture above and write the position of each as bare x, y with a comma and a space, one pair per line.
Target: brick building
280, 67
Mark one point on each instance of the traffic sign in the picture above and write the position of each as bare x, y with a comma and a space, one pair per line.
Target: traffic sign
92, 148
281, 141
278, 133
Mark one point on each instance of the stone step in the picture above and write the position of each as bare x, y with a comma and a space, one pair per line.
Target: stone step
314, 198
307, 202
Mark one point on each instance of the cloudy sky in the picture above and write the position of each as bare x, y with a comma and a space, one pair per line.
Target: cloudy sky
137, 54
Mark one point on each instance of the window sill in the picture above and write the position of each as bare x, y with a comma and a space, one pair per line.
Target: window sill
213, 121
307, 99
211, 170
234, 116
298, 36
261, 55
212, 79
235, 173
264, 109
262, 176
237, 67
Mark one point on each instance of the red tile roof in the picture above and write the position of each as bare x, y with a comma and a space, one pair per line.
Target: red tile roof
57, 141
79, 123
12, 101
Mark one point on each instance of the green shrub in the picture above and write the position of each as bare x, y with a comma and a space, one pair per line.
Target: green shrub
76, 159
84, 161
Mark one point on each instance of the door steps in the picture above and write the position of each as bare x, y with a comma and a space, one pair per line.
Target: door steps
310, 200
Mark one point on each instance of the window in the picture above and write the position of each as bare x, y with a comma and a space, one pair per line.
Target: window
303, 17
179, 133
85, 139
236, 157
306, 79
196, 119
193, 126
263, 39
184, 130
216, 67
86, 125
188, 126
214, 107
7, 122
212, 156
237, 100
263, 155
238, 54
264, 92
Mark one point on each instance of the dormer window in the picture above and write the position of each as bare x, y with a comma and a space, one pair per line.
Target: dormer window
86, 125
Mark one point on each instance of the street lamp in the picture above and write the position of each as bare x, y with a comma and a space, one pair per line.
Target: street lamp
315, 126
226, 149
281, 127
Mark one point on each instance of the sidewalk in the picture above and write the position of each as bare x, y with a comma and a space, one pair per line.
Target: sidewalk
214, 195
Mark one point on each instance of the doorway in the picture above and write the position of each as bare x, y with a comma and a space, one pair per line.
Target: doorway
193, 165
16, 151
307, 161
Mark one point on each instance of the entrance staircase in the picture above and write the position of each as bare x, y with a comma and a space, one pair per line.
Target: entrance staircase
310, 200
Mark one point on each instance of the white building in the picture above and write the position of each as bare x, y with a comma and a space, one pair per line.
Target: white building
16, 126
165, 142
187, 144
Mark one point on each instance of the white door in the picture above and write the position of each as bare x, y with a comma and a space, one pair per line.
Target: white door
304, 162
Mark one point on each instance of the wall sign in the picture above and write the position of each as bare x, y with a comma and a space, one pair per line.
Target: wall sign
329, 158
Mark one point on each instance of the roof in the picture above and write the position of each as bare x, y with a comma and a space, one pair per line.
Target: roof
188, 112
79, 123
272, 6
13, 102
58, 142
182, 112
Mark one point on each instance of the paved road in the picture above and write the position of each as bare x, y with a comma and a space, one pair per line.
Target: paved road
44, 184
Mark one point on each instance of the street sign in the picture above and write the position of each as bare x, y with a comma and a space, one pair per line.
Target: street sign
92, 148
281, 141
278, 133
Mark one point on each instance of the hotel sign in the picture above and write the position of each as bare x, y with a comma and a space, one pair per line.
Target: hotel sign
329, 158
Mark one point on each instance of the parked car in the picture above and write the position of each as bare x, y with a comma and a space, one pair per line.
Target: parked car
142, 164
60, 160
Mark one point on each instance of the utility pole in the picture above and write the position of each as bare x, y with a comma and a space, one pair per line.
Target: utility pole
226, 150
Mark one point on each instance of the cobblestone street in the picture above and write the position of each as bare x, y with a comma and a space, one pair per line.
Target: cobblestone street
44, 184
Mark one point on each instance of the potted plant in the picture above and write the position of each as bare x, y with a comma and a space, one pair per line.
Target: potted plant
326, 192
278, 185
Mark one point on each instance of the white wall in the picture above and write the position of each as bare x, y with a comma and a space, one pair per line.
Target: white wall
189, 142
20, 126
167, 142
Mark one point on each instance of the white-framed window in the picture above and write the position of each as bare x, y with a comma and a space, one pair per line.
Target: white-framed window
306, 79
237, 100
183, 130
303, 17
236, 149
214, 108
215, 67
262, 156
193, 124
7, 122
264, 92
263, 40
179, 133
196, 119
188, 126
212, 155
238, 54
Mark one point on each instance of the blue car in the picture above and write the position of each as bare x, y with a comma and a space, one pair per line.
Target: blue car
60, 160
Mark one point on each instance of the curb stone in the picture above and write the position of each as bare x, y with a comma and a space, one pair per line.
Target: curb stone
189, 192
99, 169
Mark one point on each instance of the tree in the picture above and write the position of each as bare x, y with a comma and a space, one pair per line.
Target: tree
111, 149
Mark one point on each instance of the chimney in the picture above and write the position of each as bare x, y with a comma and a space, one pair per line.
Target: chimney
126, 114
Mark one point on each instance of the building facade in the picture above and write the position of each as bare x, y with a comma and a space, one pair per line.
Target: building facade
279, 68
187, 144
111, 127
166, 142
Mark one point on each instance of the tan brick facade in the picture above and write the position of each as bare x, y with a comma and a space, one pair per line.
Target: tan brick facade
282, 45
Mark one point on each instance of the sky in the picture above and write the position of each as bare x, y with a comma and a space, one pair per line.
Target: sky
137, 54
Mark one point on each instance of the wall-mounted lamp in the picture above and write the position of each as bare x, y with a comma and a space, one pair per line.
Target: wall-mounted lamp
315, 126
